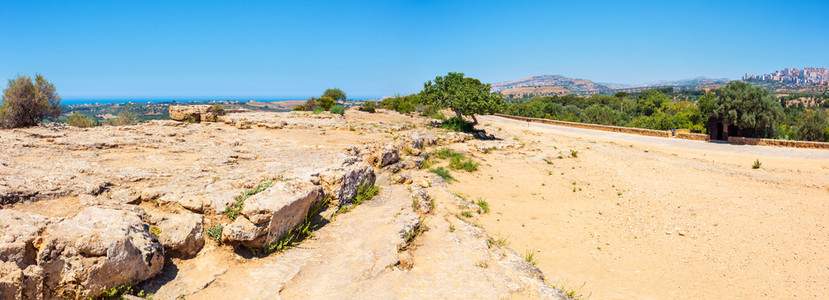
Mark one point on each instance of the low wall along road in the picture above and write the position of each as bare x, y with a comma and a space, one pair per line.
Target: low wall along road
679, 134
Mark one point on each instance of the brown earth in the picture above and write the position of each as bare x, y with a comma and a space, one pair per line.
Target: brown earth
538, 90
642, 217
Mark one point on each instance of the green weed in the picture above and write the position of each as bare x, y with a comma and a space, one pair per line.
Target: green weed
234, 210
443, 173
756, 164
483, 205
529, 257
215, 232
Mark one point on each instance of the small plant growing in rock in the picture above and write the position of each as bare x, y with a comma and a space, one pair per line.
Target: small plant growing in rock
483, 205
466, 213
443, 173
574, 153
365, 191
234, 210
451, 228
155, 230
529, 257
215, 232
418, 229
756, 164
500, 241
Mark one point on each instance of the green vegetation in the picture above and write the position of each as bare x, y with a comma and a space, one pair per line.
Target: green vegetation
756, 164
118, 292
756, 111
26, 103
483, 205
365, 191
325, 102
338, 109
574, 153
368, 106
529, 257
80, 121
234, 210
500, 241
155, 230
410, 235
215, 232
125, 117
299, 234
457, 124
443, 173
402, 104
318, 110
463, 95
461, 162
335, 94
466, 213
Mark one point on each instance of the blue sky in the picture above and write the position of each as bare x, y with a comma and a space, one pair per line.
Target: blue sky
296, 49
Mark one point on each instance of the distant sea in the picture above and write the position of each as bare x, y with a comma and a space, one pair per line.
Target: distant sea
76, 101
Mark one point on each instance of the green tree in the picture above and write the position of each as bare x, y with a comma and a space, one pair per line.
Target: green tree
652, 101
310, 104
751, 108
336, 94
812, 126
463, 95
26, 103
325, 102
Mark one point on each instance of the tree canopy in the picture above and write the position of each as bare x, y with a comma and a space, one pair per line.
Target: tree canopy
463, 95
751, 108
335, 93
26, 103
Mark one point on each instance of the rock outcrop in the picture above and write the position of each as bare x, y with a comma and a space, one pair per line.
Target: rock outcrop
342, 183
272, 213
182, 234
191, 113
78, 258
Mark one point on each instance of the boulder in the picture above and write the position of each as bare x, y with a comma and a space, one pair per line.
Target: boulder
18, 232
182, 234
190, 113
342, 183
388, 155
272, 213
96, 250
11, 281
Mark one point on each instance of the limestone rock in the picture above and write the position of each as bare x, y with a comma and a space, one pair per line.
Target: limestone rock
11, 281
18, 232
181, 234
191, 113
388, 155
97, 250
273, 212
342, 183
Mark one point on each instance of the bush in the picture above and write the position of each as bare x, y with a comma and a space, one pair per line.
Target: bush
457, 124
368, 106
433, 113
338, 109
812, 125
26, 103
318, 110
310, 104
217, 109
401, 104
326, 102
124, 118
299, 108
79, 120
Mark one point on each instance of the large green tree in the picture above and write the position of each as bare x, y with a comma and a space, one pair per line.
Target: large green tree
465, 96
652, 101
26, 103
751, 108
336, 94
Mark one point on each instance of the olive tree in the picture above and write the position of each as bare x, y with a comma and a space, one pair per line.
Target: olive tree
26, 103
751, 108
463, 95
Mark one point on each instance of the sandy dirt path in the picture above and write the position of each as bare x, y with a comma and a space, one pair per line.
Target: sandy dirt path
655, 218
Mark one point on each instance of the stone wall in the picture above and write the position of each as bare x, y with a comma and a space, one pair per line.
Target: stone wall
778, 143
693, 136
630, 130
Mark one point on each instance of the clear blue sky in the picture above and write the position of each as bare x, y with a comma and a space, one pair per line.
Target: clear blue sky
180, 49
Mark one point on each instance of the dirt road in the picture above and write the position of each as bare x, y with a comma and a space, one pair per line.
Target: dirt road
655, 218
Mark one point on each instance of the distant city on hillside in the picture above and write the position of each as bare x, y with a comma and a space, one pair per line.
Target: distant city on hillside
794, 76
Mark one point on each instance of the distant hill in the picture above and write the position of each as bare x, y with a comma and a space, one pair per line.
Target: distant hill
528, 91
545, 85
576, 86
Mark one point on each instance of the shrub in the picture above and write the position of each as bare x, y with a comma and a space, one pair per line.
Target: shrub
26, 103
368, 106
338, 109
812, 125
217, 109
401, 104
318, 110
124, 118
79, 120
325, 102
457, 124
299, 108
